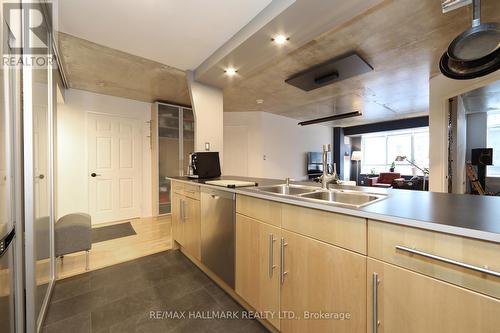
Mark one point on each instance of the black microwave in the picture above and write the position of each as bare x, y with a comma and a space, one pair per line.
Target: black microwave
204, 165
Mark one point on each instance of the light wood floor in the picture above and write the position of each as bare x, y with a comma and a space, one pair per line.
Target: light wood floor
153, 236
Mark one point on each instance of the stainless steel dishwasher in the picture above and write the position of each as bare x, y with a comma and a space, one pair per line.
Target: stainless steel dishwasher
218, 233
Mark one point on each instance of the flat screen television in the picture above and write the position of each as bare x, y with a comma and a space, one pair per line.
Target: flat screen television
315, 163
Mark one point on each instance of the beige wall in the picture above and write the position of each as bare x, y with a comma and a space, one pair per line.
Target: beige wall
276, 146
72, 169
207, 103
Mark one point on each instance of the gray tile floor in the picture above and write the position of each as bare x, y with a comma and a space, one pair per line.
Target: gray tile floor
121, 298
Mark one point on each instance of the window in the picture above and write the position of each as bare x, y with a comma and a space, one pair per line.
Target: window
494, 142
381, 149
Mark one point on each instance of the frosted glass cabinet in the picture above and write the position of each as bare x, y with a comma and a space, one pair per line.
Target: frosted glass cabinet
172, 137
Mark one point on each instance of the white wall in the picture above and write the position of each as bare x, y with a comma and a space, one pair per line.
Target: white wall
276, 147
249, 124
207, 103
72, 171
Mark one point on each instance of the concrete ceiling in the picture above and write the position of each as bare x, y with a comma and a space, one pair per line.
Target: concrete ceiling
403, 40
301, 20
181, 34
484, 99
100, 69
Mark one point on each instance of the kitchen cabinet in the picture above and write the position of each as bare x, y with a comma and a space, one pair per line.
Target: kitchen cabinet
263, 210
393, 244
313, 286
172, 140
177, 223
257, 266
192, 227
323, 281
406, 301
348, 232
186, 223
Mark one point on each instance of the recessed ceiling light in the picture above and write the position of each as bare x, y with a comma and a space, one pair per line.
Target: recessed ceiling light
280, 39
230, 71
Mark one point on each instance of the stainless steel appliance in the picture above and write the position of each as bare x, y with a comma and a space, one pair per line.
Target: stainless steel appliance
7, 298
204, 165
9, 203
218, 233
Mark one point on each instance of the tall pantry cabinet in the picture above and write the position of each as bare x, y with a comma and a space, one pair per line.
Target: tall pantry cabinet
172, 140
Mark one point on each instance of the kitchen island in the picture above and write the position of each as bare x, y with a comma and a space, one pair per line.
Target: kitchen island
459, 214
412, 262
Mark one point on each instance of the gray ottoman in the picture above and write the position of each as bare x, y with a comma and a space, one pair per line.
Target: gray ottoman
73, 233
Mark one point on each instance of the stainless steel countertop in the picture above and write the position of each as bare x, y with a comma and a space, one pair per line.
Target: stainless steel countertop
459, 214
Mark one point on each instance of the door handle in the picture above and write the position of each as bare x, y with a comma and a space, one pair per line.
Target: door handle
282, 261
448, 261
93, 175
181, 206
271, 255
184, 211
375, 321
41, 176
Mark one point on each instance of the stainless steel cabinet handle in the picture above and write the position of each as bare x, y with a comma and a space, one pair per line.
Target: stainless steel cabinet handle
271, 255
375, 321
448, 261
282, 261
184, 211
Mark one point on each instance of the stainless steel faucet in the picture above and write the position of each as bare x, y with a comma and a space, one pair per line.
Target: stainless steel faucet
328, 178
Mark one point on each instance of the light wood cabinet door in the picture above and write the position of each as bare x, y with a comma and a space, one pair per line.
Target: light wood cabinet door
321, 279
192, 227
413, 303
257, 270
385, 238
177, 222
263, 210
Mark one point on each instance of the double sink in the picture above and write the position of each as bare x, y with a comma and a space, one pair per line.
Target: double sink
342, 197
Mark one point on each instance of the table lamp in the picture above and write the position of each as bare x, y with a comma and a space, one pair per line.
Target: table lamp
356, 156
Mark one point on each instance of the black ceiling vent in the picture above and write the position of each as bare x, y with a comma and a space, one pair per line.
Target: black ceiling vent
331, 71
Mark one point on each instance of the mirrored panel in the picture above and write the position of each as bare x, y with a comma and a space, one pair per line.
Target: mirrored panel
7, 208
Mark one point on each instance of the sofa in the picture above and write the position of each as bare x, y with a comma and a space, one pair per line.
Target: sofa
384, 179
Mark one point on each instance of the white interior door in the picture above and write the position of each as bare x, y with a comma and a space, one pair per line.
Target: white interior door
114, 159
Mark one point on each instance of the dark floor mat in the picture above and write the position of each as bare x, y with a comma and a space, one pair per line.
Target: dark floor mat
112, 232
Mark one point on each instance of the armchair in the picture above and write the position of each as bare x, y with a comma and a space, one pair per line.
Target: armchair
385, 179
